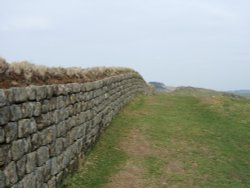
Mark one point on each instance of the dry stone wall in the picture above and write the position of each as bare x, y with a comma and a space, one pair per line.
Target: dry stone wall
45, 130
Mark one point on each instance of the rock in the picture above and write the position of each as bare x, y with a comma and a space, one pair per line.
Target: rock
27, 109
26, 127
35, 142
52, 182
5, 154
29, 180
17, 149
31, 92
2, 135
3, 98
37, 109
4, 115
42, 155
41, 92
10, 174
2, 179
15, 112
31, 162
21, 167
19, 94
48, 135
10, 131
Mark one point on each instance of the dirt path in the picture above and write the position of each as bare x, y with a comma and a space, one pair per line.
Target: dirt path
132, 174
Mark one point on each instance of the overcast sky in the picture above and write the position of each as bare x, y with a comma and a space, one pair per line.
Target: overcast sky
204, 43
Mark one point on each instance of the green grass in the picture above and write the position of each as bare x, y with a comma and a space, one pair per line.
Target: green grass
198, 141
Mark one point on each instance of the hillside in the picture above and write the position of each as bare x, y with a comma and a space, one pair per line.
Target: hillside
245, 93
161, 87
180, 139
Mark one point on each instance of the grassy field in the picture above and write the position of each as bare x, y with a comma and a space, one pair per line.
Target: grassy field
172, 140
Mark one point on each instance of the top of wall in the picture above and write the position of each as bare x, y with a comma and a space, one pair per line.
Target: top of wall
21, 74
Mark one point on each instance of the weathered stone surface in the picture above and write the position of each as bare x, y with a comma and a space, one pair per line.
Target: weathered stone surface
18, 185
59, 179
26, 127
2, 179
3, 98
2, 135
20, 166
35, 142
10, 174
27, 109
29, 180
17, 149
51, 126
31, 162
37, 109
42, 155
15, 112
4, 115
19, 94
59, 145
41, 92
31, 92
27, 145
61, 129
5, 154
52, 182
48, 135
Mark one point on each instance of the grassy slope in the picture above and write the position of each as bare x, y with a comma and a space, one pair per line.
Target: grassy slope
198, 141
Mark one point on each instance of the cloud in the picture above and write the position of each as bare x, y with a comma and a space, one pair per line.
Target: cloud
27, 24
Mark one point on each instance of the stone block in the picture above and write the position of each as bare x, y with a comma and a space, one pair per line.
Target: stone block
27, 109
2, 179
37, 109
59, 146
76, 88
31, 92
61, 129
21, 167
52, 182
3, 98
10, 174
15, 112
50, 91
2, 135
48, 135
35, 142
4, 115
19, 94
17, 149
29, 180
41, 92
18, 185
27, 145
5, 154
26, 127
42, 155
31, 162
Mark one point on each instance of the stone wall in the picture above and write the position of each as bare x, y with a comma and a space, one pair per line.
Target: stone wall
45, 130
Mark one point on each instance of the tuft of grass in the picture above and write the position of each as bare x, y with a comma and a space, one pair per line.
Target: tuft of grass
24, 73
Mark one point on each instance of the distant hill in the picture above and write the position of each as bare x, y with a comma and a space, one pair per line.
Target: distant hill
161, 87
241, 92
196, 91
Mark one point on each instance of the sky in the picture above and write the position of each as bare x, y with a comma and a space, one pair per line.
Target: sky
200, 43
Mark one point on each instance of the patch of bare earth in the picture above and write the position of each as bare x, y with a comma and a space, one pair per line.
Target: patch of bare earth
131, 174
127, 177
136, 144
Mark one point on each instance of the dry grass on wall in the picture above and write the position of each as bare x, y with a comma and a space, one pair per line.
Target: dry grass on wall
23, 73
